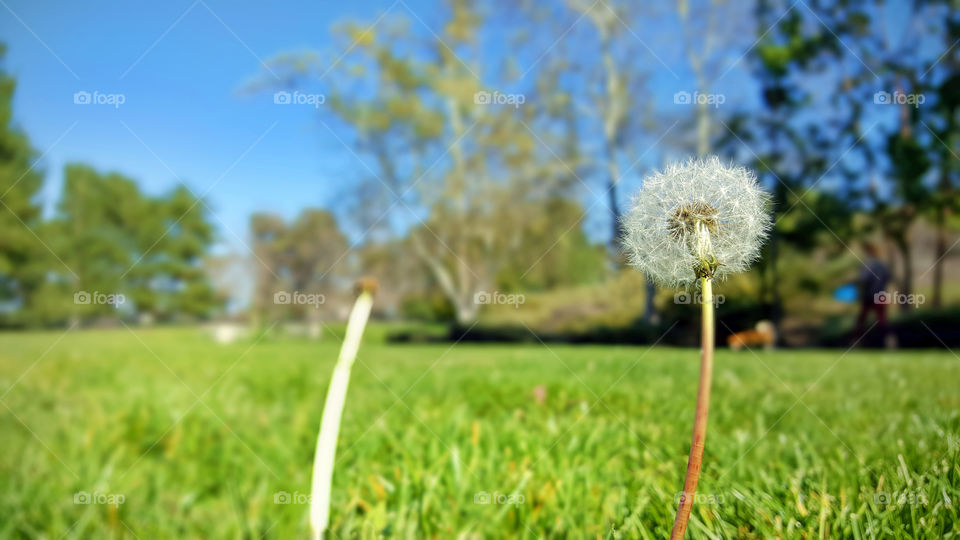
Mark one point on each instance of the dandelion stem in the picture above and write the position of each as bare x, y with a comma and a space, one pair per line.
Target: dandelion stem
332, 411
700, 419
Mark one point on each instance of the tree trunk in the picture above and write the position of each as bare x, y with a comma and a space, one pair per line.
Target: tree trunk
940, 252
906, 286
650, 312
614, 208
703, 126
466, 311
776, 303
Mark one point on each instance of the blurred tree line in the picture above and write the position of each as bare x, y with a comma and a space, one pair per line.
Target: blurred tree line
483, 197
107, 249
487, 136
858, 131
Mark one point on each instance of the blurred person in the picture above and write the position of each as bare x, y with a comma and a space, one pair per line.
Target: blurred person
874, 297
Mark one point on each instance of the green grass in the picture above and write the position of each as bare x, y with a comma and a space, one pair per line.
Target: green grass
871, 451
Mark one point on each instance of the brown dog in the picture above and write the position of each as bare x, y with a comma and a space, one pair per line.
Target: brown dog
764, 335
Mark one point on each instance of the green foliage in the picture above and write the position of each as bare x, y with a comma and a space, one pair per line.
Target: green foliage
556, 251
106, 237
909, 162
811, 217
477, 189
871, 451
109, 238
21, 269
427, 307
298, 257
96, 234
117, 240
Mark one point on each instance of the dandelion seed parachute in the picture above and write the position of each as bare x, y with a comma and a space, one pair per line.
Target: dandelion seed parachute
660, 231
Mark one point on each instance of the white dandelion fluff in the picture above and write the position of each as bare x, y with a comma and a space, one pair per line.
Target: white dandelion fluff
696, 219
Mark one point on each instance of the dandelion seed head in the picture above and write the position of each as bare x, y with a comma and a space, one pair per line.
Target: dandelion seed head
692, 212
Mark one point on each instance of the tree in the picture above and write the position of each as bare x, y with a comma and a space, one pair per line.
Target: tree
173, 242
119, 241
95, 233
23, 259
107, 237
311, 246
266, 231
788, 147
892, 74
621, 115
454, 160
944, 125
616, 110
297, 258
712, 33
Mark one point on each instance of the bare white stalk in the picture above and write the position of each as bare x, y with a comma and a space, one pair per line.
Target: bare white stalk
332, 411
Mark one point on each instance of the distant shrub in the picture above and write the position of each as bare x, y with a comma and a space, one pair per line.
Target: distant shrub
921, 328
914, 330
637, 332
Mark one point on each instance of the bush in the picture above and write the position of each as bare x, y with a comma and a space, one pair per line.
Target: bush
913, 330
639, 332
918, 328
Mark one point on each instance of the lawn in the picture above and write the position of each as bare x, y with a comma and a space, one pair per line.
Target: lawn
161, 433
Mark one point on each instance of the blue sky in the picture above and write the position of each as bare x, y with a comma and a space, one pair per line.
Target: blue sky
180, 66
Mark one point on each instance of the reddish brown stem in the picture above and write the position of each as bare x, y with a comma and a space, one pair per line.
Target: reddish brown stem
700, 419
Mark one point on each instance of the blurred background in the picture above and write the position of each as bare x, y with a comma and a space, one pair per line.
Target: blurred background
238, 165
